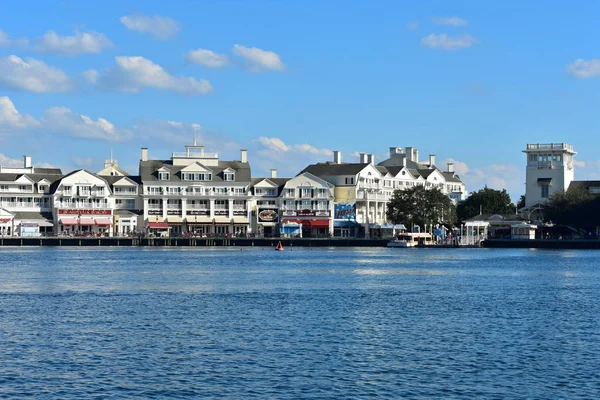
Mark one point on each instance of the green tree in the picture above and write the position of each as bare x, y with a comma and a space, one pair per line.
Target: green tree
420, 206
575, 207
485, 201
521, 202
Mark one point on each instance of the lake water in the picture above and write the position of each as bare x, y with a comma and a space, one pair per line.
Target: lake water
324, 323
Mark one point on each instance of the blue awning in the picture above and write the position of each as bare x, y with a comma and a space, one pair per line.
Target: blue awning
345, 224
400, 226
387, 226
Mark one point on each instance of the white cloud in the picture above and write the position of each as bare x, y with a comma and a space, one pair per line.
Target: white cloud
10, 162
445, 42
62, 120
11, 119
587, 170
182, 133
275, 144
91, 75
81, 42
157, 26
452, 21
82, 161
584, 69
6, 41
32, 76
495, 176
412, 26
289, 159
132, 74
207, 58
259, 60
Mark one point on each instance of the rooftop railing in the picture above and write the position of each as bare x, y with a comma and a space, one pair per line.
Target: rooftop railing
549, 146
194, 154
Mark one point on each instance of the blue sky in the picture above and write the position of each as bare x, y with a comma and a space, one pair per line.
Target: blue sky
292, 81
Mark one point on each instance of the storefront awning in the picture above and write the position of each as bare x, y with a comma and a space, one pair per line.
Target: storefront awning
198, 220
155, 218
345, 224
86, 221
174, 220
293, 221
45, 223
222, 220
68, 221
163, 225
240, 220
103, 221
318, 223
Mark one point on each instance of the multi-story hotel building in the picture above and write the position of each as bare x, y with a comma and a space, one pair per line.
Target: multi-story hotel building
298, 206
26, 200
126, 189
195, 193
363, 189
82, 205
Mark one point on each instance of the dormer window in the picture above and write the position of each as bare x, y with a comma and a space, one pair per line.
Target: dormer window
67, 189
228, 176
163, 175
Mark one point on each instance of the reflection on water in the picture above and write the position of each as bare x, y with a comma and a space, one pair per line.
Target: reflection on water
309, 323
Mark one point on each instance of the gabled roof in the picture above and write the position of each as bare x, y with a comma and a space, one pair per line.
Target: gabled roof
148, 171
278, 182
583, 185
56, 183
333, 169
114, 179
196, 167
451, 177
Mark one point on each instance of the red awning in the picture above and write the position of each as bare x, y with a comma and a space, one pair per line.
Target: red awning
158, 225
319, 223
68, 221
103, 222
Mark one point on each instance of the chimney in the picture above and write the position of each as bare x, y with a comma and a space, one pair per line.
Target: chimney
371, 159
431, 160
337, 157
409, 153
244, 155
393, 151
404, 161
144, 154
416, 155
362, 158
273, 173
450, 167
27, 161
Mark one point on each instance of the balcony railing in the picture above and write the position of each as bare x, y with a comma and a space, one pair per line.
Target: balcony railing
83, 206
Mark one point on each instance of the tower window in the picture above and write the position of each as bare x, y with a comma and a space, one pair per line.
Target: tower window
544, 191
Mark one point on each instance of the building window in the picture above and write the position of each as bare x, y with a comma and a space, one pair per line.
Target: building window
3, 188
228, 176
290, 192
545, 191
163, 176
306, 193
154, 190
349, 181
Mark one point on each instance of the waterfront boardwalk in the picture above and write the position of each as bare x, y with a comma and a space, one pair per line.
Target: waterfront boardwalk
192, 242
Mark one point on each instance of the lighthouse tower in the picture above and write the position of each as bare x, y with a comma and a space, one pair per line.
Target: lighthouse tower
549, 169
